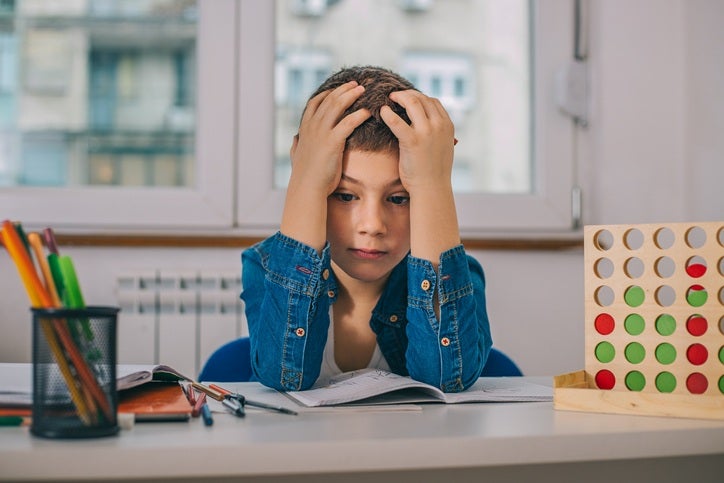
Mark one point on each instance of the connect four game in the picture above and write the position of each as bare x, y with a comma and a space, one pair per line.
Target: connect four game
654, 322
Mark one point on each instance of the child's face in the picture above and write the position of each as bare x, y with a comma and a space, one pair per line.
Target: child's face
368, 216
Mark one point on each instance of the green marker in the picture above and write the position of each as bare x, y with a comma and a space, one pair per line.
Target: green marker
11, 420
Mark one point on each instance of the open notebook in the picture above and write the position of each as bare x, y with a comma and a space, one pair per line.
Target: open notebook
374, 386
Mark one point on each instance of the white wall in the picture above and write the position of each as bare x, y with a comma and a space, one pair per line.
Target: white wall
653, 152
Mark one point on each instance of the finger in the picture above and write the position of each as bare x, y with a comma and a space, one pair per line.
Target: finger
416, 104
350, 122
333, 106
397, 125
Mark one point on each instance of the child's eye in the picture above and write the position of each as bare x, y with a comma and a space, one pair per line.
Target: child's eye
343, 197
399, 199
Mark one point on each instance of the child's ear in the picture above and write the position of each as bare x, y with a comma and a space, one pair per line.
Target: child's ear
295, 141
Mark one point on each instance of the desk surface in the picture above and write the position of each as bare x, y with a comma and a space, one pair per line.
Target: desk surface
434, 437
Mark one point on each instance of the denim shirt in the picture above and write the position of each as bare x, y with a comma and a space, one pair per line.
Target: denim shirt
288, 288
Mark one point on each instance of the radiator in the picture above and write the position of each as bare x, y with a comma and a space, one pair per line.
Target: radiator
177, 317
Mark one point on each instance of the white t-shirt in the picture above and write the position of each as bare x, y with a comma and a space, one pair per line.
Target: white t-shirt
329, 365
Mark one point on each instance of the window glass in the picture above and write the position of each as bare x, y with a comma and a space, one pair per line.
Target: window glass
475, 56
98, 92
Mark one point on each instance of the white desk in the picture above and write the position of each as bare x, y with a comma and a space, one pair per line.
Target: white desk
449, 443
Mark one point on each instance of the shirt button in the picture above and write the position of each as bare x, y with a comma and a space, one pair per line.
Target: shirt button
445, 341
300, 332
325, 274
425, 285
393, 318
330, 294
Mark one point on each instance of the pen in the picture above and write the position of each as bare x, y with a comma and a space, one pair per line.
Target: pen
244, 401
206, 414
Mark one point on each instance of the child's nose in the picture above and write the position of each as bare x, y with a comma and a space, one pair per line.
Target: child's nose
371, 220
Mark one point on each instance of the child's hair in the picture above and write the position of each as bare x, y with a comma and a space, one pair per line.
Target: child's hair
373, 134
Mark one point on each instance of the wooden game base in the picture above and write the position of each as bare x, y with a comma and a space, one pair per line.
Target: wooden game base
576, 391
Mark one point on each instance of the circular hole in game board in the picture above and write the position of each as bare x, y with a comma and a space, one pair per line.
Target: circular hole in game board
603, 268
721, 296
664, 267
604, 324
721, 324
635, 381
721, 266
696, 383
695, 237
605, 379
665, 382
665, 296
720, 236
697, 325
604, 352
697, 354
665, 324
633, 267
634, 296
603, 296
696, 295
664, 238
665, 353
633, 239
603, 240
634, 324
696, 266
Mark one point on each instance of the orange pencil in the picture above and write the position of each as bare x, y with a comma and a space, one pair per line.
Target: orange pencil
37, 246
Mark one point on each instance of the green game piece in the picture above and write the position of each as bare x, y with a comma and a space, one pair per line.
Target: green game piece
721, 384
634, 324
634, 296
696, 298
605, 352
665, 324
665, 353
634, 353
635, 381
665, 382
721, 354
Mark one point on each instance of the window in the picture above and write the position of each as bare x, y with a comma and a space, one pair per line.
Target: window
492, 63
107, 122
187, 122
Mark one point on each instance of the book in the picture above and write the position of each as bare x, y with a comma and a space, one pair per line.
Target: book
155, 401
131, 375
375, 386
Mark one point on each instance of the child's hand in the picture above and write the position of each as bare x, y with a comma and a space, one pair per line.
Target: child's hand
316, 152
426, 145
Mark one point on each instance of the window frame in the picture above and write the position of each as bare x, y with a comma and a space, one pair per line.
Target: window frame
235, 191
207, 205
548, 210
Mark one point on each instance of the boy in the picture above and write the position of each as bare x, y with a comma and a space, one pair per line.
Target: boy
367, 269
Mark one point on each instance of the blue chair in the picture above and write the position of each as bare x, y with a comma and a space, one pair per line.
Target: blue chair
232, 363
229, 363
500, 365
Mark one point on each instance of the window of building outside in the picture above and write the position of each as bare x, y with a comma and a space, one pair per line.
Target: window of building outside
98, 93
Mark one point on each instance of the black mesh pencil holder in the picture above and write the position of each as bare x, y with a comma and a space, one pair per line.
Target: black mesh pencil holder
74, 372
